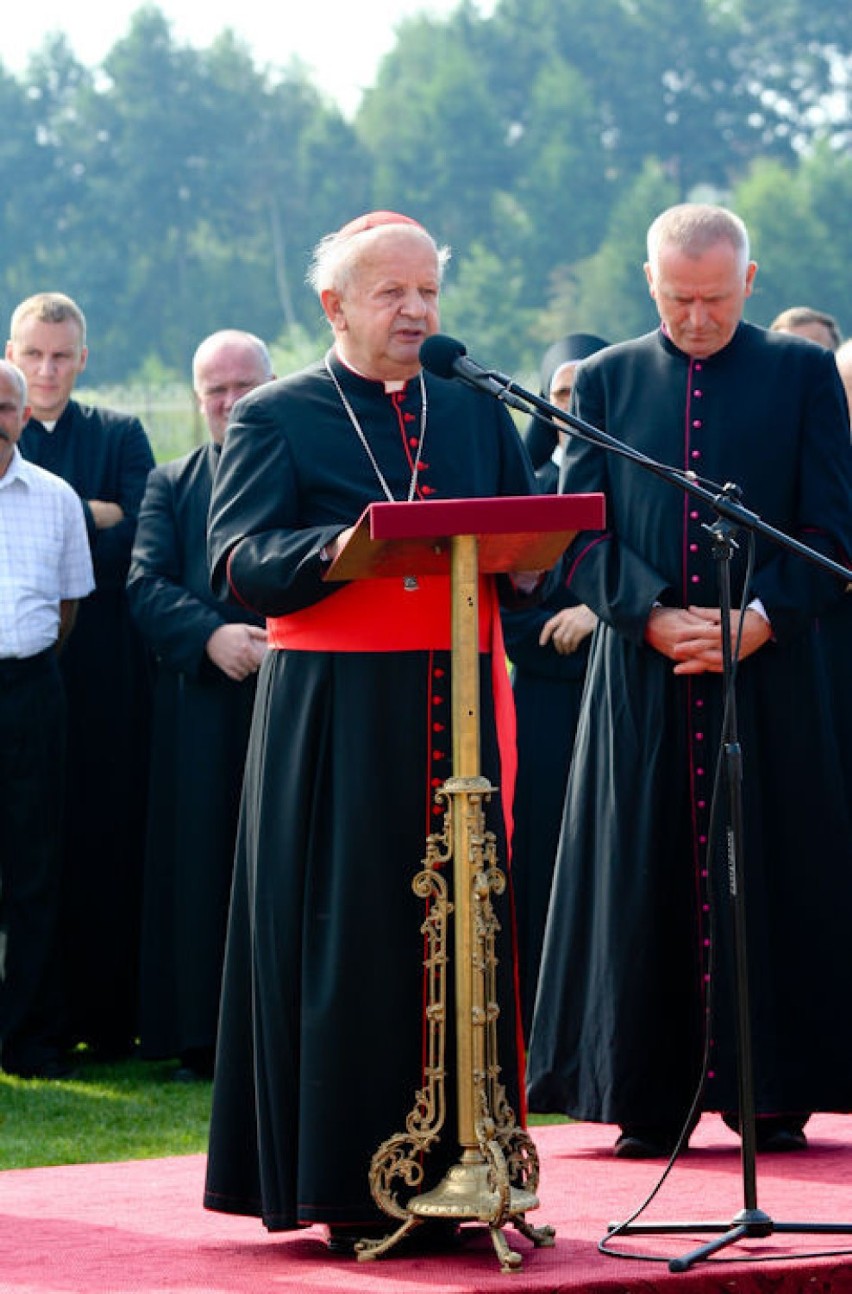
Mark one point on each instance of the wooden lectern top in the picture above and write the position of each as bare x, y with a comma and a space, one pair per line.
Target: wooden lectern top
525, 532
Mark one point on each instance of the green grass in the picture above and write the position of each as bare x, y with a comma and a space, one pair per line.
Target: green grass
130, 1110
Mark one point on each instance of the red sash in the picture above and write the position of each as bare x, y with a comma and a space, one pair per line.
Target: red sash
378, 615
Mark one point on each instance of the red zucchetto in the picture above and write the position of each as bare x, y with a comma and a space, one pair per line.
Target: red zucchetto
372, 219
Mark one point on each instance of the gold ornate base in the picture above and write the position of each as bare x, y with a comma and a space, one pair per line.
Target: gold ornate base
510, 1259
467, 1192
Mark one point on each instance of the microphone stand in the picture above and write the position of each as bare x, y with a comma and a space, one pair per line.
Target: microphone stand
750, 1222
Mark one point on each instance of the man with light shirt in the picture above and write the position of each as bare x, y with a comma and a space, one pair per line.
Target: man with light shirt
45, 568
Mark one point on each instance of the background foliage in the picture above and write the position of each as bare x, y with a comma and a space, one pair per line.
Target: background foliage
173, 190
130, 1110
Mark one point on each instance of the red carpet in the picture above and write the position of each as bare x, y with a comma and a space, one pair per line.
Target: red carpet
139, 1226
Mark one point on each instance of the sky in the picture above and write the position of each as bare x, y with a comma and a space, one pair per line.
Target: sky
340, 42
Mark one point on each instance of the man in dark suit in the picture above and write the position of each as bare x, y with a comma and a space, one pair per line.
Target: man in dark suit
208, 652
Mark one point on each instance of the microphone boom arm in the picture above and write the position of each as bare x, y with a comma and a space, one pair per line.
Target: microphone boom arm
722, 499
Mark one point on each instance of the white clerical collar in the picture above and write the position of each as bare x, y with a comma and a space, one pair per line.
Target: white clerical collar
399, 384
48, 426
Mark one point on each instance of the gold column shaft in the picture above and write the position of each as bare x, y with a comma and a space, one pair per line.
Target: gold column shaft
470, 1040
496, 1176
465, 664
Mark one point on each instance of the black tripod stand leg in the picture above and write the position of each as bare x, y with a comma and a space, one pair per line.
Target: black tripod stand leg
684, 1263
814, 1228
747, 1223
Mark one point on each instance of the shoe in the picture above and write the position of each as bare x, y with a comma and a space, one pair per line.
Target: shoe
196, 1065
782, 1142
342, 1238
775, 1134
646, 1143
434, 1236
780, 1134
186, 1074
52, 1071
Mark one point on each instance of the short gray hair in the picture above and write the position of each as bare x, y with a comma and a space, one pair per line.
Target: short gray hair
17, 378
693, 228
231, 336
800, 316
49, 307
336, 255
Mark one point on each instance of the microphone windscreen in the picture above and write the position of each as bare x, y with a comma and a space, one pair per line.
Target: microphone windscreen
439, 353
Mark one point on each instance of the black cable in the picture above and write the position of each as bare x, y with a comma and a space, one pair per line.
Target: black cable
695, 1108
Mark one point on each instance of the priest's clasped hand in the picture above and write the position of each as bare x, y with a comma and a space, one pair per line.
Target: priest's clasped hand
237, 649
692, 636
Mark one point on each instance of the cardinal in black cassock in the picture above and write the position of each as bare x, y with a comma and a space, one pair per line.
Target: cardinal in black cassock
321, 1037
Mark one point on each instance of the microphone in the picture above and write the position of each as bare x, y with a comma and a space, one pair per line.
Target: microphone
446, 357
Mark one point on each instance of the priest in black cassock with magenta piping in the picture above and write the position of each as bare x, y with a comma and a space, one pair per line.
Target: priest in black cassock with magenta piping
106, 457
637, 953
321, 1038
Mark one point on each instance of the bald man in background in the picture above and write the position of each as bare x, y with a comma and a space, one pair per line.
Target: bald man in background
207, 653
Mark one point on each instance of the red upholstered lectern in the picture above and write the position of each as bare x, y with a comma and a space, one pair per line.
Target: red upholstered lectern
512, 533
496, 1175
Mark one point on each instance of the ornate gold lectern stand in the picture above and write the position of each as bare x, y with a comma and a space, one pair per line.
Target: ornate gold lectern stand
495, 1177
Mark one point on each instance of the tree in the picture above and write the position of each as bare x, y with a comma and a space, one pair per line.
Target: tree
794, 59
176, 190
45, 180
436, 134
607, 293
182, 190
798, 222
561, 182
483, 303
24, 166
